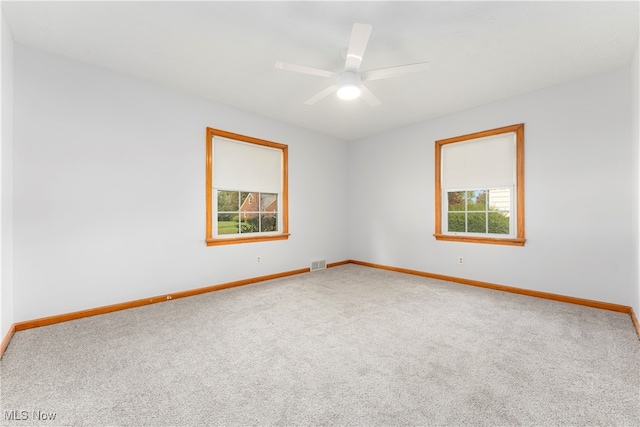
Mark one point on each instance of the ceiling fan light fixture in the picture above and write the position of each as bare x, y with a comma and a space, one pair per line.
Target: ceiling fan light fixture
349, 85
348, 92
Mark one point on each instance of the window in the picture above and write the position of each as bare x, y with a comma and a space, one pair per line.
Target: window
246, 189
480, 187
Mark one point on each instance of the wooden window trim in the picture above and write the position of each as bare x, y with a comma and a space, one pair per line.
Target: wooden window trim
214, 241
519, 240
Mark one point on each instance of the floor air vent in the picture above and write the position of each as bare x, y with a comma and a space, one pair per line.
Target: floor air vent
318, 265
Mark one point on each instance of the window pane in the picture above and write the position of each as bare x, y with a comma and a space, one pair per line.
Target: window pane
249, 202
477, 222
456, 200
456, 222
477, 200
228, 224
498, 223
500, 199
249, 223
269, 222
268, 202
227, 201
247, 212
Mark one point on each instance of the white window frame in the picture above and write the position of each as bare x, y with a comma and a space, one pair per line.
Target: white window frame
445, 213
241, 234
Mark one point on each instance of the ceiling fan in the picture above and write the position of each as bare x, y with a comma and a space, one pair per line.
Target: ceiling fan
348, 83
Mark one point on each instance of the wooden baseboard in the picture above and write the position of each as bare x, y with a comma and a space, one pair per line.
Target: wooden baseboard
6, 339
528, 292
336, 264
634, 319
50, 320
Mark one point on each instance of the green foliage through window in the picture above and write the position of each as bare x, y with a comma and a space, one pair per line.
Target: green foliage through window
479, 211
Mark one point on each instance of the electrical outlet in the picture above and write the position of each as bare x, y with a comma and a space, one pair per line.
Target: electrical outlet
259, 260
460, 260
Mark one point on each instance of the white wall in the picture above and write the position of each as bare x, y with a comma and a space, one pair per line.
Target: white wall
578, 189
6, 178
108, 202
109, 178
635, 129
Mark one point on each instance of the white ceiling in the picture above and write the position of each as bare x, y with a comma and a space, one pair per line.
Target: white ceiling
480, 52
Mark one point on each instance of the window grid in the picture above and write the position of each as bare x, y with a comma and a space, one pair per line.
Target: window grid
245, 218
495, 221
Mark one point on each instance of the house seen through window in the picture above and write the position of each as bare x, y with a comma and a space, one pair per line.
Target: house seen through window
244, 212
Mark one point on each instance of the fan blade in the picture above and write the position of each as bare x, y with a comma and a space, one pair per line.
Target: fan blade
357, 45
302, 69
322, 94
368, 96
385, 73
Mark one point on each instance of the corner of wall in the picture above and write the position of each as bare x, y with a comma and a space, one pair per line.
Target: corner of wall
635, 140
6, 181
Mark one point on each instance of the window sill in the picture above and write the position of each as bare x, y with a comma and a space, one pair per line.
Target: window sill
250, 239
488, 240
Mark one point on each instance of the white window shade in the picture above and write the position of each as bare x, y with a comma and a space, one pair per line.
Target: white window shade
246, 167
488, 162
